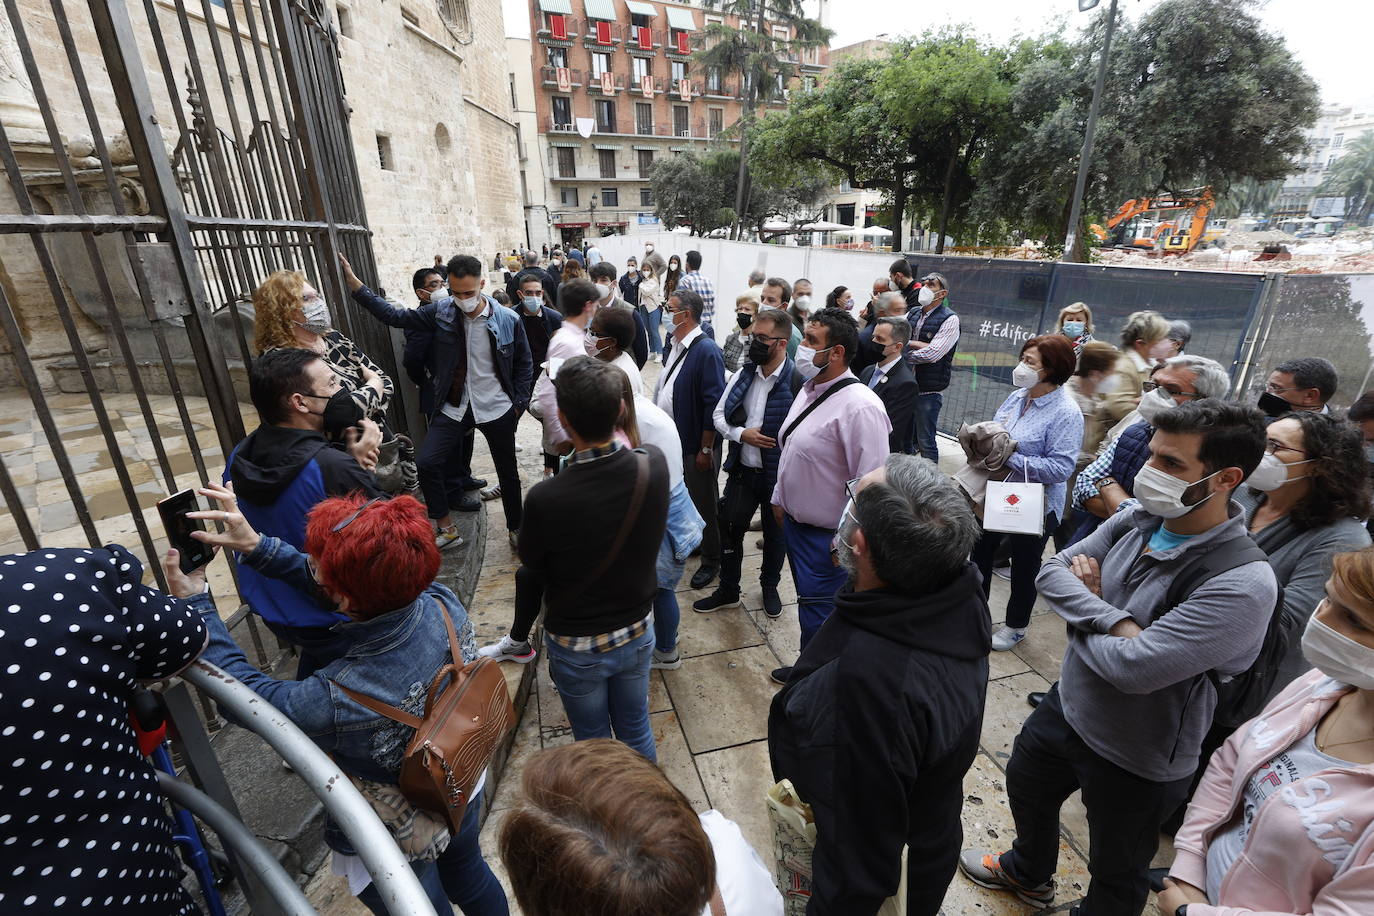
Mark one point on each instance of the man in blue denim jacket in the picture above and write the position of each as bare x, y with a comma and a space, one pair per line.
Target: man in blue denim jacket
377, 560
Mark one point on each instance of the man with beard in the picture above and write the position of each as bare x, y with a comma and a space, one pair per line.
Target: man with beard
880, 719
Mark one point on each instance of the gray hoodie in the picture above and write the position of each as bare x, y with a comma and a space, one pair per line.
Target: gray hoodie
1142, 702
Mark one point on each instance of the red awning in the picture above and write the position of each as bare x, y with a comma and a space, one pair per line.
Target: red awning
573, 225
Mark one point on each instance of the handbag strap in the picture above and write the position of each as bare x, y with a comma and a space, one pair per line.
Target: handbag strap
838, 386
395, 713
631, 516
717, 903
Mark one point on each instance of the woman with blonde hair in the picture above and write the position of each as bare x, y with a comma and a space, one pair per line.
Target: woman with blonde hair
1144, 339
1283, 820
290, 313
1076, 323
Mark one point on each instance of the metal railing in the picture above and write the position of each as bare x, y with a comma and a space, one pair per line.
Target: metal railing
395, 880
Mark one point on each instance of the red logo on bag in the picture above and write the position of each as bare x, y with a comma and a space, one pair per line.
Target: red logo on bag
1012, 499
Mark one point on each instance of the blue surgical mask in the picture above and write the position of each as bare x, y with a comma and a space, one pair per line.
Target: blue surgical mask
1073, 329
531, 303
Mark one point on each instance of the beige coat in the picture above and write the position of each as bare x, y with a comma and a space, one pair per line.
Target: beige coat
1131, 373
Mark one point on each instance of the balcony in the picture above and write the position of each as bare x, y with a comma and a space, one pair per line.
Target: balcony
548, 76
636, 87
555, 126
720, 89
597, 85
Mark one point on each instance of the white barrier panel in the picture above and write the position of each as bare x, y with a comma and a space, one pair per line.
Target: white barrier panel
727, 265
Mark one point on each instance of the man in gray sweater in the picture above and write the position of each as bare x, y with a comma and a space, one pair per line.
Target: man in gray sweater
1125, 722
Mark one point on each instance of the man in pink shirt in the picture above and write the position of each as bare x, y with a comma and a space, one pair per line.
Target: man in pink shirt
577, 300
836, 432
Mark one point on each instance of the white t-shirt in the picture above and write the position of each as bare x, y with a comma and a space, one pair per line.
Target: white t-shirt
746, 885
656, 428
625, 363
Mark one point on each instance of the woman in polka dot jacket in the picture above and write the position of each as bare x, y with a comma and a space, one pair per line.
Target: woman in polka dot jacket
82, 828
376, 560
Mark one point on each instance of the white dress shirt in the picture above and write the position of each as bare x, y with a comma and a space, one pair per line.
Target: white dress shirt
882, 369
663, 397
482, 390
755, 403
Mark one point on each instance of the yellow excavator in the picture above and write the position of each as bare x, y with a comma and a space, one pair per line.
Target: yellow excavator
1177, 235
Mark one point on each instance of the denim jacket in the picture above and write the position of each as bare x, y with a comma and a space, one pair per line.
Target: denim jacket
683, 535
392, 657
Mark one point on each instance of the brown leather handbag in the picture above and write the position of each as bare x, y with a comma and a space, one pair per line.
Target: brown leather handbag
463, 722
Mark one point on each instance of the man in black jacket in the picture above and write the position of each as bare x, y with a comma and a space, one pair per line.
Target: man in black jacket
890, 377
880, 718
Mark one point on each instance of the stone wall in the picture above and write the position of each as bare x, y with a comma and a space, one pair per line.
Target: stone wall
431, 76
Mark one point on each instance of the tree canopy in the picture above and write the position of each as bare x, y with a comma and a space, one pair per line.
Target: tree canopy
983, 140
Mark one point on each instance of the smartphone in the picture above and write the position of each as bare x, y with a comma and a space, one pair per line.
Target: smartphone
173, 509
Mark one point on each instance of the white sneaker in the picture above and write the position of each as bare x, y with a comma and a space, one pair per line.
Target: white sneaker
508, 650
1007, 637
1002, 572
668, 661
447, 537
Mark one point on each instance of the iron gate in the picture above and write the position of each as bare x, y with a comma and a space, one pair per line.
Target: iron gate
143, 202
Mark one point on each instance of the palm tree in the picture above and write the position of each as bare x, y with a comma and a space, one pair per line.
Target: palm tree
1352, 177
762, 61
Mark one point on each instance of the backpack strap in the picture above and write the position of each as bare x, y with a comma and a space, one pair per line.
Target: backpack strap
1221, 559
395, 713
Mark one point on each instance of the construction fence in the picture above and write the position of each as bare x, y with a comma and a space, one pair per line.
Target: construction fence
1247, 322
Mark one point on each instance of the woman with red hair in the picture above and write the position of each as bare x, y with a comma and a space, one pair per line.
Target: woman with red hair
374, 560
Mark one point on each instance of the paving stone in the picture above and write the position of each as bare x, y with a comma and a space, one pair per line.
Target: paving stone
1005, 710
736, 780
675, 760
705, 687
782, 634
718, 631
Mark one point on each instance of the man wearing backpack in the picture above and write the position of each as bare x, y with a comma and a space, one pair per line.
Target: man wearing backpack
1136, 694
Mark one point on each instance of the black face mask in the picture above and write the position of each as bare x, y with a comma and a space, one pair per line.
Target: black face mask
876, 349
758, 352
1273, 405
743, 319
340, 411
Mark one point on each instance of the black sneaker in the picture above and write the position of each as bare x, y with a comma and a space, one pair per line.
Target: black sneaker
780, 675
772, 604
704, 575
474, 483
467, 504
715, 601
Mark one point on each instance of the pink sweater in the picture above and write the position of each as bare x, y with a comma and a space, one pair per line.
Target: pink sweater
1311, 846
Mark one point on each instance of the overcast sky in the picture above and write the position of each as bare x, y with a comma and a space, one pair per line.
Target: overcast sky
1329, 37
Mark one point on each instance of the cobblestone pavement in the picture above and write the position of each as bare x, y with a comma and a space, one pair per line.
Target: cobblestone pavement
710, 715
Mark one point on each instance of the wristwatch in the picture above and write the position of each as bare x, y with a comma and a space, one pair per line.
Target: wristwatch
1182, 910
706, 450
1102, 482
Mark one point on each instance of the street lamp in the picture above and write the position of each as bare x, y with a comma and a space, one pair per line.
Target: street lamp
592, 224
1076, 211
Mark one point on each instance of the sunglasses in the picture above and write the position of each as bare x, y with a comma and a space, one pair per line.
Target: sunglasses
359, 511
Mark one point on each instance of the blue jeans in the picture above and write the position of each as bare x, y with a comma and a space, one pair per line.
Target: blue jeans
460, 875
817, 578
605, 692
653, 321
667, 617
921, 440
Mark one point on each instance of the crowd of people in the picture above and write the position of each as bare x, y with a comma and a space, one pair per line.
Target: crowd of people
1212, 567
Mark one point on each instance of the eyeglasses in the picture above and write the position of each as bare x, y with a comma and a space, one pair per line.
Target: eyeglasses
1273, 445
1275, 389
1151, 386
849, 486
359, 511
766, 339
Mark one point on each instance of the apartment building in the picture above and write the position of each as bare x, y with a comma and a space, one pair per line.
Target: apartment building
616, 89
1337, 126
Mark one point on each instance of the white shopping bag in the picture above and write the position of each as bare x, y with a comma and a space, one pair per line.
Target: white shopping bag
1014, 507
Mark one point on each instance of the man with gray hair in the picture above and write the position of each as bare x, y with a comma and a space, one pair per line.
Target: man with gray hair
1109, 481
754, 289
890, 377
886, 304
880, 720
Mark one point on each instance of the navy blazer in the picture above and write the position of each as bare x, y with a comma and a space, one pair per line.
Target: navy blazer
898, 391
697, 386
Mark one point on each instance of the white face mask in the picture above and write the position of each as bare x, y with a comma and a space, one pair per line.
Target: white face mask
1162, 350
806, 362
603, 290
316, 316
1272, 473
1153, 403
1336, 655
926, 296
1023, 376
1108, 384
893, 287
803, 304
1161, 494
469, 305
